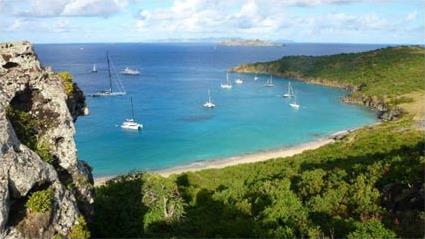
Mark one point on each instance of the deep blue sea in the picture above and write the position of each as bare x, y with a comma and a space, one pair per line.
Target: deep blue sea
168, 97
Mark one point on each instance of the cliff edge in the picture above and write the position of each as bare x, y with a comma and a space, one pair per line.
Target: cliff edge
45, 191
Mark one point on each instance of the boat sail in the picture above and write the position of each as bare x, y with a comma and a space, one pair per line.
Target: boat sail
94, 69
290, 92
270, 82
209, 104
226, 85
110, 92
131, 123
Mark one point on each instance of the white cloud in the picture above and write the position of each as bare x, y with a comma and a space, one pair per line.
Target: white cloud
412, 16
56, 8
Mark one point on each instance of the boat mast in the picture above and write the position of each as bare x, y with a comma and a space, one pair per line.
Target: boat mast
109, 72
132, 109
227, 77
209, 96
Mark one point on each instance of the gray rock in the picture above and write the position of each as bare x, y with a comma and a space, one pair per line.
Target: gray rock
26, 85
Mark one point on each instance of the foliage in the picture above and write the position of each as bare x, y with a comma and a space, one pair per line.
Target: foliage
68, 83
352, 187
40, 201
80, 229
25, 127
372, 229
386, 73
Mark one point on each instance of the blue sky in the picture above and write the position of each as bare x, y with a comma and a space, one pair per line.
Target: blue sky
348, 21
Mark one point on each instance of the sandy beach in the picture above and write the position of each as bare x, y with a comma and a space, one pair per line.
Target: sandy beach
241, 159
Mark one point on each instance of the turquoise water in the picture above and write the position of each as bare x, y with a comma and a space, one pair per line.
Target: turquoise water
168, 98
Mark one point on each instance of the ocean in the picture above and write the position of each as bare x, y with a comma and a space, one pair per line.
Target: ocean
169, 93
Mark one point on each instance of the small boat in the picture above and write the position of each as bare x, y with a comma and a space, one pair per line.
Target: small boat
110, 92
294, 103
290, 92
226, 85
209, 104
269, 82
238, 81
94, 69
255, 77
128, 71
131, 123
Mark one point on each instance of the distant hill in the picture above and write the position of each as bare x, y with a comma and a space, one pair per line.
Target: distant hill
380, 78
249, 42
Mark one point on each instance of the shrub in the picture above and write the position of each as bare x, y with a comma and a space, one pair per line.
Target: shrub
42, 149
67, 82
80, 229
40, 201
372, 229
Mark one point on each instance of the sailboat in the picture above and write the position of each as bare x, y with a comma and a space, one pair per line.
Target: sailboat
270, 82
255, 77
131, 123
94, 69
290, 91
226, 85
294, 104
209, 104
109, 91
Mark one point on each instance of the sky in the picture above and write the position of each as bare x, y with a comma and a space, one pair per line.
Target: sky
340, 21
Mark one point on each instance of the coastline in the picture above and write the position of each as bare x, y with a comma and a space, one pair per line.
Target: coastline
242, 159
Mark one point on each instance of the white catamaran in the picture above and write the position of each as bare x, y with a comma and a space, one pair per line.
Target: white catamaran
110, 92
226, 85
269, 82
131, 123
209, 104
290, 92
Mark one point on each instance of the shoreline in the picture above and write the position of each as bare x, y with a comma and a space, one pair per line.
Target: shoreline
243, 158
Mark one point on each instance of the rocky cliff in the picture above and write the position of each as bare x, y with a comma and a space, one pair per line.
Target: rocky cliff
45, 190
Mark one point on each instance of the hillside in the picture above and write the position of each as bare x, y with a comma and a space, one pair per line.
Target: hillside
380, 79
368, 184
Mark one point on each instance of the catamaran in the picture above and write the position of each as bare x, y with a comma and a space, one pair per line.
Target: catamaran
209, 104
128, 71
255, 77
294, 103
110, 92
269, 82
290, 92
226, 85
94, 69
131, 123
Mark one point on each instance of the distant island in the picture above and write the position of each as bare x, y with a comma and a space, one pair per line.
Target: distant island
249, 42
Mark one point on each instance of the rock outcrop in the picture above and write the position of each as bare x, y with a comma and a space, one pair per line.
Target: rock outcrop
37, 148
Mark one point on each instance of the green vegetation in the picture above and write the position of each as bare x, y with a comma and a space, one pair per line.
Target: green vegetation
385, 73
40, 201
366, 185
25, 127
79, 230
68, 83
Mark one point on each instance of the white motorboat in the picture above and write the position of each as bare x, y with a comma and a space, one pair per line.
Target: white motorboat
226, 85
128, 71
256, 77
238, 81
209, 104
290, 92
131, 123
269, 82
